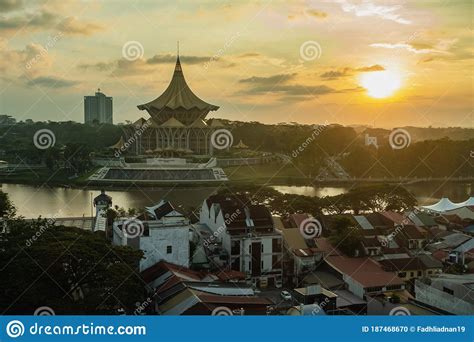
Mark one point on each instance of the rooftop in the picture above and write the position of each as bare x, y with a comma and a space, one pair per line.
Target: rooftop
365, 271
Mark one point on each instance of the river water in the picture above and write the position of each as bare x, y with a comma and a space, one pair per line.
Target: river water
32, 201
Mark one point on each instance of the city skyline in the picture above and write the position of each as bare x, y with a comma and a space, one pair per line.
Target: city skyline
377, 63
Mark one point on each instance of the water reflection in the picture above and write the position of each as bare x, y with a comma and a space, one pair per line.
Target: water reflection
311, 191
32, 201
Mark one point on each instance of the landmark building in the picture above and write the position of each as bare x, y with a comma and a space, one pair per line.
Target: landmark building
98, 108
178, 124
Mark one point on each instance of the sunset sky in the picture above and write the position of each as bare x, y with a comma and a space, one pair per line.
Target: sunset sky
378, 63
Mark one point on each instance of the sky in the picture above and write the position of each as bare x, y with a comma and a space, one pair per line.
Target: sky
368, 62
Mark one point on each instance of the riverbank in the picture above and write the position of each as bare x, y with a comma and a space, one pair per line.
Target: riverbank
260, 175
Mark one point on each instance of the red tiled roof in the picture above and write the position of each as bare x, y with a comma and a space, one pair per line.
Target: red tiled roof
296, 219
209, 298
328, 249
395, 217
365, 271
161, 267
440, 255
230, 275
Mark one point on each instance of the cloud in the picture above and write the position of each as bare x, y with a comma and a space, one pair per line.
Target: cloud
309, 13
40, 20
281, 78
278, 84
335, 74
169, 58
73, 26
99, 66
51, 82
10, 5
369, 9
316, 13
441, 47
404, 46
32, 60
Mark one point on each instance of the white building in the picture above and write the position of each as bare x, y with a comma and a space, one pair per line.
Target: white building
98, 108
449, 292
247, 234
162, 233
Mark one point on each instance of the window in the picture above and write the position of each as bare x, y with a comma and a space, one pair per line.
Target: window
412, 274
169, 249
402, 274
262, 264
451, 292
419, 273
262, 247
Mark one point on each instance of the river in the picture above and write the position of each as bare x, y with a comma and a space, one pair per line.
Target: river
32, 201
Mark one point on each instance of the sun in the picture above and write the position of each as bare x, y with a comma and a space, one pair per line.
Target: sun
380, 84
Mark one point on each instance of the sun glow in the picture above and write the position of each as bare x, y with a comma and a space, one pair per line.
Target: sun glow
380, 84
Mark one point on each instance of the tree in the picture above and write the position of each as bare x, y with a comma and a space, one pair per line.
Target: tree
7, 209
346, 238
70, 270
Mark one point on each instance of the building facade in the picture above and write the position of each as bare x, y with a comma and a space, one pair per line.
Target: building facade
178, 124
162, 233
98, 108
247, 234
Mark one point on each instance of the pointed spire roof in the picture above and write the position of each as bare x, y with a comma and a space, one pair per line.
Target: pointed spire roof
178, 95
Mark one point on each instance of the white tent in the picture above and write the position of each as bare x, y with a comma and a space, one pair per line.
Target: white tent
444, 204
468, 202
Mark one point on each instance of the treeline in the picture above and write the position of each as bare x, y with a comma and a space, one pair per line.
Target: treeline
308, 146
362, 199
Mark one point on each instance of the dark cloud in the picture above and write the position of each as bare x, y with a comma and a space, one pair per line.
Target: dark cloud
249, 55
10, 5
280, 78
335, 74
168, 58
38, 20
100, 66
51, 82
278, 84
